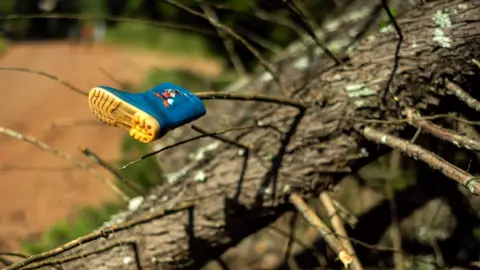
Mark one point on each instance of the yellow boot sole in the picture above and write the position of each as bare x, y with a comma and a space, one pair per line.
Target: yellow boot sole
114, 111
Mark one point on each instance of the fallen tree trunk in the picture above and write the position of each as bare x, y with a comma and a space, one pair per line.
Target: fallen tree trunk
242, 187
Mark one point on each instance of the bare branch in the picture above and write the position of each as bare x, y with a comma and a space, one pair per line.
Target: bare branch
462, 177
111, 77
132, 185
408, 120
265, 64
337, 225
445, 134
183, 142
249, 97
350, 218
229, 46
53, 262
99, 234
463, 95
397, 49
395, 234
48, 75
218, 137
309, 25
77, 163
323, 229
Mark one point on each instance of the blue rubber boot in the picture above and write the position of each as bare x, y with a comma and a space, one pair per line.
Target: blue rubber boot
147, 116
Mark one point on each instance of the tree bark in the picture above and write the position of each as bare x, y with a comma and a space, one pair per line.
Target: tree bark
239, 189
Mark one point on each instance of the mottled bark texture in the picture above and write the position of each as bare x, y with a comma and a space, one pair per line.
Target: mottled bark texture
241, 188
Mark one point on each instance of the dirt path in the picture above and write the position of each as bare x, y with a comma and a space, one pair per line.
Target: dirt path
31, 199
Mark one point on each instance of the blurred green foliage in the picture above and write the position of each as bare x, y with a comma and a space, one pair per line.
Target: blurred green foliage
377, 173
147, 174
154, 38
191, 81
85, 222
3, 45
386, 22
236, 14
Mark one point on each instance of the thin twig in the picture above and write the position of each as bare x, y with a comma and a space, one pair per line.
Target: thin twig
183, 142
361, 243
321, 227
218, 137
308, 23
13, 254
104, 164
251, 97
350, 218
445, 134
7, 262
104, 233
339, 228
77, 163
476, 62
462, 95
48, 75
395, 235
408, 120
227, 41
265, 64
397, 49
66, 259
111, 77
297, 241
462, 177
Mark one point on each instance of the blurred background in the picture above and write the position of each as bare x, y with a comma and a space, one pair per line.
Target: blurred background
45, 201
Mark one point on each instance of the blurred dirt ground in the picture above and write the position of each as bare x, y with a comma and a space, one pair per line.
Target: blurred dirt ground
38, 189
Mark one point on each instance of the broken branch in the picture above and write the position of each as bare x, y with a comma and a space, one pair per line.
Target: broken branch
321, 227
445, 134
463, 95
469, 181
339, 228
